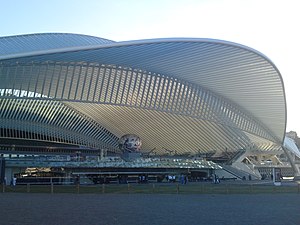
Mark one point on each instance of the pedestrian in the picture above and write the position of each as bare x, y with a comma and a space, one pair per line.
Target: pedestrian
185, 179
182, 179
215, 179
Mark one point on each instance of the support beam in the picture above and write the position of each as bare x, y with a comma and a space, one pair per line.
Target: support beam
293, 164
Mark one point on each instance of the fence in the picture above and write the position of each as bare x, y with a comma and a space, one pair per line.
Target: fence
154, 188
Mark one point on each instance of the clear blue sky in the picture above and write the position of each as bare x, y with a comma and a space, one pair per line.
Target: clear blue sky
269, 26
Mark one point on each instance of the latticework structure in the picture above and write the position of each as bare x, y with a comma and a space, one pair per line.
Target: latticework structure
186, 96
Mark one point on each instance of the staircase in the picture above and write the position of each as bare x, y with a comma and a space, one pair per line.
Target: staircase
240, 174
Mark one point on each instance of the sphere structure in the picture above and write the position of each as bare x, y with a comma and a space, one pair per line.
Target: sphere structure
130, 143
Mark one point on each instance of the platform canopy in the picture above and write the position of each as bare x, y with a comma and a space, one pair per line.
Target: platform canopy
183, 96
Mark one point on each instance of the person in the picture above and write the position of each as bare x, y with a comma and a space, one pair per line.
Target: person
174, 178
216, 179
182, 179
185, 179
14, 181
77, 180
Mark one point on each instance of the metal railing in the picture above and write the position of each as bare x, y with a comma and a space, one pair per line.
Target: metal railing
158, 188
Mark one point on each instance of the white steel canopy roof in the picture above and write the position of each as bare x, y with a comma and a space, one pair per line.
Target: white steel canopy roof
215, 94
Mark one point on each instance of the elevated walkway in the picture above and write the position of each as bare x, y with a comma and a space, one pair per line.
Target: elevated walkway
109, 162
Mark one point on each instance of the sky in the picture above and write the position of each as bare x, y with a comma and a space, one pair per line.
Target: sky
269, 26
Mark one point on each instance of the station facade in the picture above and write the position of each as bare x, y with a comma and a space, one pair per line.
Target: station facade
70, 94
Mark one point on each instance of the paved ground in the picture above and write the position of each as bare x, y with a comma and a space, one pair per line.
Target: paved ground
140, 209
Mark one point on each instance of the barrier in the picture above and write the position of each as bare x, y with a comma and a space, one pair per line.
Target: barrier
158, 188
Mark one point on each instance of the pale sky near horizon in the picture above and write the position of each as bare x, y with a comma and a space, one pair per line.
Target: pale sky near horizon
269, 26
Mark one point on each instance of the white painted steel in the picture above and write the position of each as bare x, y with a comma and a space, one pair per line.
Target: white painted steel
214, 94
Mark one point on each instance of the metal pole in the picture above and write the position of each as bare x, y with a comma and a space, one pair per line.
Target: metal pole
77, 187
227, 188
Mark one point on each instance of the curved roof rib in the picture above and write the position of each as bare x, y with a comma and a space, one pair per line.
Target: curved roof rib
221, 95
24, 44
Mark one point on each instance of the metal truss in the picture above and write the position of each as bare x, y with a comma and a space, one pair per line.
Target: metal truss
59, 102
183, 96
